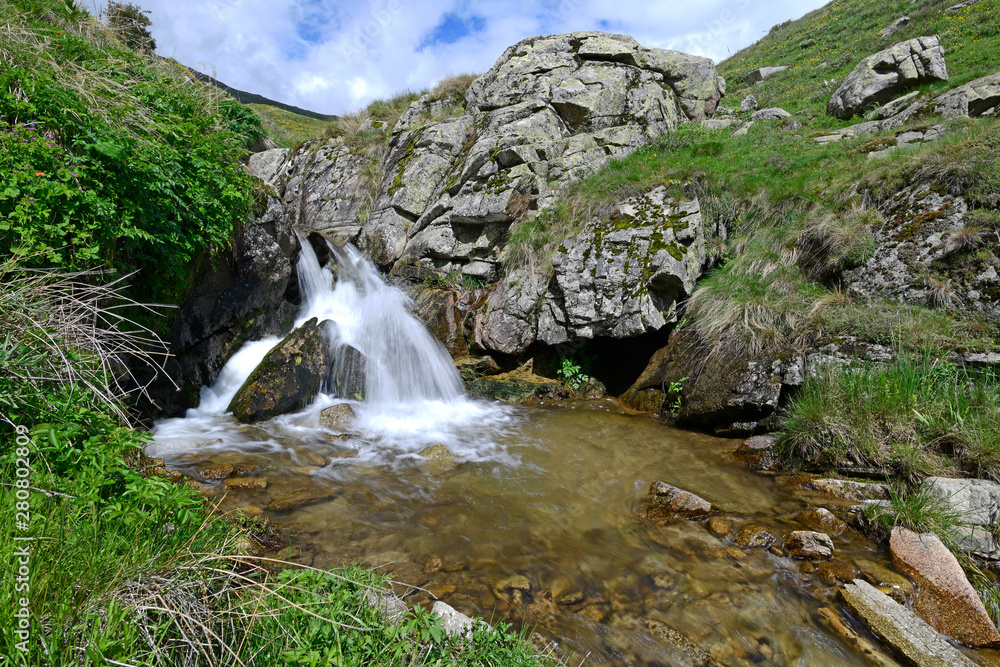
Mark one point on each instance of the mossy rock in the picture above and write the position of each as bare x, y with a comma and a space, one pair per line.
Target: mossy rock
288, 378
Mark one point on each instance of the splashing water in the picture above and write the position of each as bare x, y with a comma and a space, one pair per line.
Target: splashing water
413, 393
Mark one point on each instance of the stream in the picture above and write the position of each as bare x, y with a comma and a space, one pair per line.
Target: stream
531, 518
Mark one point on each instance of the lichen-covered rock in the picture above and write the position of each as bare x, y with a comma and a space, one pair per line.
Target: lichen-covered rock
619, 278
927, 253
980, 97
624, 277
976, 504
946, 599
551, 110
288, 378
770, 113
881, 77
324, 187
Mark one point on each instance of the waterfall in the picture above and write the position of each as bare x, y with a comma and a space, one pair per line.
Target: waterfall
412, 396
405, 363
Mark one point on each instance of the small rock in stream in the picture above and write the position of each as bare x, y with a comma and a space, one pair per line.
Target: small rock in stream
808, 545
756, 536
665, 502
337, 416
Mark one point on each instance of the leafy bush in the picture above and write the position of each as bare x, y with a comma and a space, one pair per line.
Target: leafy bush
111, 159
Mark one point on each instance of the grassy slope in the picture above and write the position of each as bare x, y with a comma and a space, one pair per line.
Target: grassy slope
823, 47
286, 128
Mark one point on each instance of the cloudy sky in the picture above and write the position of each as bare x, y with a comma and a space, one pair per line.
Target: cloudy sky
334, 56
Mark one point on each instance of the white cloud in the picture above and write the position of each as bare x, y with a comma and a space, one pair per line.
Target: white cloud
334, 56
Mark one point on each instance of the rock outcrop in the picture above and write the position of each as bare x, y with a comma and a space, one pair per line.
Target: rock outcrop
976, 98
442, 195
288, 378
879, 78
946, 599
621, 277
927, 253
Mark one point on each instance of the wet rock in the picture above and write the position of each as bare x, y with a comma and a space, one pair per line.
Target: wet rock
759, 452
808, 545
572, 598
844, 488
720, 526
236, 296
472, 368
880, 78
252, 511
645, 400
448, 313
515, 589
215, 472
665, 502
518, 386
337, 416
288, 500
598, 613
901, 628
945, 599
833, 571
841, 628
976, 98
348, 374
892, 583
245, 484
288, 378
755, 536
822, 519
437, 452
672, 637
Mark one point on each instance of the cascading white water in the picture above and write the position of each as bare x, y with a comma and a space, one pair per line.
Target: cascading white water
413, 394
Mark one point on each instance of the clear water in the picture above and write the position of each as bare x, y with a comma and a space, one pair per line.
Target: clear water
547, 493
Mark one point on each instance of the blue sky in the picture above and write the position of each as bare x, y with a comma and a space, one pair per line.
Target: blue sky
335, 56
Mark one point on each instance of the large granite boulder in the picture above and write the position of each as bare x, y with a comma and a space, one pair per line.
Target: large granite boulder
621, 277
880, 78
928, 253
288, 378
976, 98
946, 599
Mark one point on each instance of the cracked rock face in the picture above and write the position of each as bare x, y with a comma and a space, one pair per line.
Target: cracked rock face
880, 78
930, 252
620, 278
551, 110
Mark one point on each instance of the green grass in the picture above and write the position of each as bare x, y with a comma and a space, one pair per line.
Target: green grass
286, 128
826, 44
914, 417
